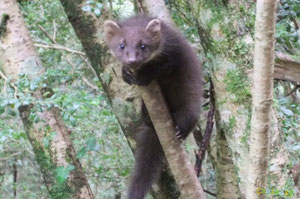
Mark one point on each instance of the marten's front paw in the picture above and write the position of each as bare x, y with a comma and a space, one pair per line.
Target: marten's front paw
128, 76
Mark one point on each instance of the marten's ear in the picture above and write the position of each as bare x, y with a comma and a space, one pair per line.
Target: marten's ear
111, 28
153, 27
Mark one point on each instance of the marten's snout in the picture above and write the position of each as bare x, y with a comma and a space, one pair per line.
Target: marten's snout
131, 57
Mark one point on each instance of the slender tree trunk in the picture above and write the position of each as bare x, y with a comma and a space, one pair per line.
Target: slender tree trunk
262, 96
18, 56
177, 158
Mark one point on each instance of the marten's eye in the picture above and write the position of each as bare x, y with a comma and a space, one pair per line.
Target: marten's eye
122, 46
143, 47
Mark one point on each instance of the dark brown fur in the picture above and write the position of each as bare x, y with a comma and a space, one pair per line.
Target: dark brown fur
169, 59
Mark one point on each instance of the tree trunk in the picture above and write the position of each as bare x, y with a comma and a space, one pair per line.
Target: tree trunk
262, 97
18, 56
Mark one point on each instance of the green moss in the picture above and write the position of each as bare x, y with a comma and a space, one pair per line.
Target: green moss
232, 122
228, 127
238, 85
237, 171
245, 138
57, 190
233, 26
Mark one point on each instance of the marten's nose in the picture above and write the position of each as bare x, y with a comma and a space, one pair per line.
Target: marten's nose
131, 60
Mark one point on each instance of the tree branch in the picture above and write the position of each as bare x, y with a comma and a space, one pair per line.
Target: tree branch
287, 69
175, 153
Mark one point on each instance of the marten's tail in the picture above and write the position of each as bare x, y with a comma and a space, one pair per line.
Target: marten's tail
149, 158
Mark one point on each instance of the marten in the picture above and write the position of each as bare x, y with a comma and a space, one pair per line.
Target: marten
150, 50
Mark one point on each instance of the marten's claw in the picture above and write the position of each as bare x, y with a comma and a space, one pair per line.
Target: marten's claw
178, 133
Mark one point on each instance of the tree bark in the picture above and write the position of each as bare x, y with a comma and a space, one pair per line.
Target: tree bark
262, 96
18, 56
177, 158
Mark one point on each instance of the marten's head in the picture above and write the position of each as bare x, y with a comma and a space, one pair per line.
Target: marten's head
133, 41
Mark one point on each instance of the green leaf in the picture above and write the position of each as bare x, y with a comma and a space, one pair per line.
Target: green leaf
97, 12
90, 2
11, 112
81, 153
90, 144
99, 5
73, 121
33, 86
46, 142
63, 173
2, 109
65, 116
86, 8
36, 119
287, 112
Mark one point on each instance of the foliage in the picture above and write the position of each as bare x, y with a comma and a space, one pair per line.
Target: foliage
287, 28
289, 116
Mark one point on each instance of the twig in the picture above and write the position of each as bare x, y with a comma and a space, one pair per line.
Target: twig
208, 131
4, 86
42, 10
71, 63
210, 193
59, 47
296, 23
54, 30
11, 84
89, 84
293, 90
47, 34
